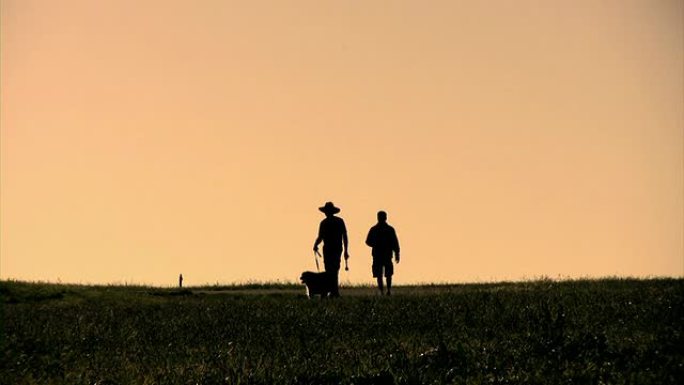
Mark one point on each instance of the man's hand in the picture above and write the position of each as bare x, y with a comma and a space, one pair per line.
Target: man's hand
346, 257
315, 249
397, 257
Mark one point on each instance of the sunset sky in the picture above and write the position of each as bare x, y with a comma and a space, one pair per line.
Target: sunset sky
506, 139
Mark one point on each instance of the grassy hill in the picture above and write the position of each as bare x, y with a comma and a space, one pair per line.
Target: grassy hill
613, 331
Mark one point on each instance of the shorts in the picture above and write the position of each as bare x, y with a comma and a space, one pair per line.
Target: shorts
331, 265
382, 265
331, 259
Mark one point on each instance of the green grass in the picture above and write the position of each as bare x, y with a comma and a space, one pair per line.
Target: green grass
614, 331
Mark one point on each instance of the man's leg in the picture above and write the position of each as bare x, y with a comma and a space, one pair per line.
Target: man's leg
331, 260
336, 287
389, 271
377, 273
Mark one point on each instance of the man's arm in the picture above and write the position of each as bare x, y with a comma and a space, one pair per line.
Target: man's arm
369, 238
319, 238
345, 241
396, 245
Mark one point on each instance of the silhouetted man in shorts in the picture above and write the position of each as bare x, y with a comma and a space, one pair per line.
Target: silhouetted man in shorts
383, 239
333, 233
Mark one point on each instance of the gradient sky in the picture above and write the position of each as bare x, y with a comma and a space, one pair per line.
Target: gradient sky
506, 139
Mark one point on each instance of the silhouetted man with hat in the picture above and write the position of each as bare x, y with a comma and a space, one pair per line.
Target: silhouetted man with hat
333, 233
383, 239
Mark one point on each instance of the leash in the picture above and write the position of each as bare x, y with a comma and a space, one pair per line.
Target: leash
316, 255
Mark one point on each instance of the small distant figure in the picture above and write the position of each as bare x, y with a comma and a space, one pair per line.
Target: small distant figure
180, 281
333, 233
383, 239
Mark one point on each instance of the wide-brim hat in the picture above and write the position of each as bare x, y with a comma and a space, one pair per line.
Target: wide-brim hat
329, 208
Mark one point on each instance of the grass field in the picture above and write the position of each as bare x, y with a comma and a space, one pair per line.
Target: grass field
613, 331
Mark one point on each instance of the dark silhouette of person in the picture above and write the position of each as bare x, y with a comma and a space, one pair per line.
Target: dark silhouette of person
333, 233
383, 239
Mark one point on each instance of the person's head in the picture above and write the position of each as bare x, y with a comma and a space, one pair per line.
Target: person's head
382, 216
329, 209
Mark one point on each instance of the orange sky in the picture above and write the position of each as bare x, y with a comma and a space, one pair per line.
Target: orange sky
506, 139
